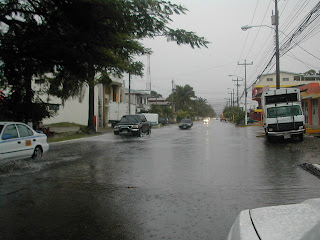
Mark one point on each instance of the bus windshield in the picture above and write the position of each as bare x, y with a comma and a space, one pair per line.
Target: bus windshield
285, 111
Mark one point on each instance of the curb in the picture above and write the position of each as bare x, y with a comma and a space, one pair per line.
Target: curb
78, 139
311, 168
309, 130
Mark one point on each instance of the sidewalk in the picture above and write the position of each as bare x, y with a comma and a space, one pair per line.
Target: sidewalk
76, 129
63, 133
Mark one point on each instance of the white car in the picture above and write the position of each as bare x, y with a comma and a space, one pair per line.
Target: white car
294, 222
19, 141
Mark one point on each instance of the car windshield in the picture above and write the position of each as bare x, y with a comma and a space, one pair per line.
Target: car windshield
285, 111
130, 119
185, 121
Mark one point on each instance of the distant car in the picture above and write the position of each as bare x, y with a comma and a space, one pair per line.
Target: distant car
222, 118
206, 120
295, 221
163, 121
185, 124
19, 141
134, 125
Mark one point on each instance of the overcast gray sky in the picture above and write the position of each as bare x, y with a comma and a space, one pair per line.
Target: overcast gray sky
220, 21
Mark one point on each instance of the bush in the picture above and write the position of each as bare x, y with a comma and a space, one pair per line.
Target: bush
236, 114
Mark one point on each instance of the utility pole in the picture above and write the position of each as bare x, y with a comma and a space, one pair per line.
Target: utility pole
275, 21
129, 93
237, 90
231, 105
245, 89
233, 97
172, 84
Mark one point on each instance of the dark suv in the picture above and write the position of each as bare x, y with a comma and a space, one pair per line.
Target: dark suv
134, 124
185, 124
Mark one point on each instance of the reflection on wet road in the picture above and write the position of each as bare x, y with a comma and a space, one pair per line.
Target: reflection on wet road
176, 184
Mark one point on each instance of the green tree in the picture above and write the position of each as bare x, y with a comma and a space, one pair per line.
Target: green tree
182, 97
182, 115
311, 72
235, 114
185, 99
154, 94
163, 111
82, 42
202, 108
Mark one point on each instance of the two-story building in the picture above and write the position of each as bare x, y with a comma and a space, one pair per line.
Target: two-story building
267, 82
310, 95
138, 100
110, 104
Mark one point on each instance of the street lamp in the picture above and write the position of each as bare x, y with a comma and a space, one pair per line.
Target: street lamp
275, 21
246, 27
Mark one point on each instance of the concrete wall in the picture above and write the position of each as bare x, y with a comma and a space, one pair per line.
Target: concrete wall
73, 110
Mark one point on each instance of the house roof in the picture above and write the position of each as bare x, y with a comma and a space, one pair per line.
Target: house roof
137, 92
305, 95
267, 74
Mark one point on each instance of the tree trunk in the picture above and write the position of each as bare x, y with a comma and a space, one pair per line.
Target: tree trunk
91, 125
28, 98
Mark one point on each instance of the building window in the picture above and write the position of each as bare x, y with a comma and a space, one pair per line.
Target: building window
296, 78
285, 79
269, 79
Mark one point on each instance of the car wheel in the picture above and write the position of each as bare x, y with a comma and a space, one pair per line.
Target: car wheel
139, 133
149, 131
37, 154
300, 136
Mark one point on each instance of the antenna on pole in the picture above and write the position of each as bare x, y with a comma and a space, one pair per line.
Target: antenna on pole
148, 87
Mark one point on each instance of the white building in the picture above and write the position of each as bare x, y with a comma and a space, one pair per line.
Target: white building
287, 79
138, 98
110, 104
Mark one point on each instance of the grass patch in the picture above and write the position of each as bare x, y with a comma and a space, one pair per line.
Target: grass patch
65, 124
68, 137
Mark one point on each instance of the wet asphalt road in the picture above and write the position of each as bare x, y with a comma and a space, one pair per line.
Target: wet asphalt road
176, 184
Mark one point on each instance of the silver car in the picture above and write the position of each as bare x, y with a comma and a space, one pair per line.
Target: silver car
294, 222
19, 141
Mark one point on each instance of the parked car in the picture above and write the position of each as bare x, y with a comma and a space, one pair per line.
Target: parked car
185, 124
250, 120
133, 124
295, 221
163, 121
19, 141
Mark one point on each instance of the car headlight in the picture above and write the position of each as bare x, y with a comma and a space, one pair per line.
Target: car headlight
135, 126
271, 129
116, 127
301, 127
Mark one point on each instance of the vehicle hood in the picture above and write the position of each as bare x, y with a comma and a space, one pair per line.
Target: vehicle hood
294, 222
128, 123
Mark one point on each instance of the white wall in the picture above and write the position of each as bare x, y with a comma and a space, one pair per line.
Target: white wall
73, 110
